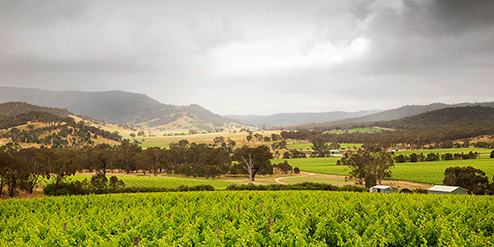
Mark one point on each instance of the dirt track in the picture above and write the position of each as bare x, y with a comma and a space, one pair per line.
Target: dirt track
394, 183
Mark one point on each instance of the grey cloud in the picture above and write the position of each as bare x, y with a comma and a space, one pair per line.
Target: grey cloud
419, 51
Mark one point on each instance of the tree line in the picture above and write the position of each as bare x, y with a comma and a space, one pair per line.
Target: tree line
435, 157
24, 168
415, 138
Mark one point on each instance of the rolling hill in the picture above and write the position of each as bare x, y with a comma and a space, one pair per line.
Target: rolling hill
122, 108
16, 108
469, 116
36, 126
389, 115
288, 119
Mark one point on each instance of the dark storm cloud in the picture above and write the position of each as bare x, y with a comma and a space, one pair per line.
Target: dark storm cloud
417, 48
322, 55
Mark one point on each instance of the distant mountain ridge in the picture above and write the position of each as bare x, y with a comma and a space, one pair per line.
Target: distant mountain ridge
393, 114
119, 107
288, 119
449, 116
16, 108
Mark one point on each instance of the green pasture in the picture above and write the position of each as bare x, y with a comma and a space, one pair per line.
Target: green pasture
433, 172
161, 181
326, 165
422, 172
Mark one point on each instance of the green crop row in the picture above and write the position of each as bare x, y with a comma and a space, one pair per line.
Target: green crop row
247, 218
422, 172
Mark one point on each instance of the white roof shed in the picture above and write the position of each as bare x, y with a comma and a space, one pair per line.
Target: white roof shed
443, 189
383, 189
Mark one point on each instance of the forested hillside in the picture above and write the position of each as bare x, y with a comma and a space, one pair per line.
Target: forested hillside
21, 124
453, 116
438, 128
388, 115
16, 108
121, 108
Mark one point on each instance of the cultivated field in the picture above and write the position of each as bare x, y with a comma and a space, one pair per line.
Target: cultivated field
281, 218
422, 172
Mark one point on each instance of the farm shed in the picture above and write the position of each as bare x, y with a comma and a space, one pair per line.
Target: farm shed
442, 189
334, 151
383, 189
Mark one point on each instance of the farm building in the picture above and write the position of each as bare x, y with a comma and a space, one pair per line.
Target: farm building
442, 189
383, 189
334, 151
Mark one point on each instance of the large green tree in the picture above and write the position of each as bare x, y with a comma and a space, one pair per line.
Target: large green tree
369, 164
102, 157
37, 167
320, 147
61, 165
125, 156
253, 159
466, 177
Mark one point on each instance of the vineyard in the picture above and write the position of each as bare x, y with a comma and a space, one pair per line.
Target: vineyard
423, 172
283, 218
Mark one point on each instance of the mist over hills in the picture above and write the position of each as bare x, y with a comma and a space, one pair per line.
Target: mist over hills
120, 107
140, 110
288, 119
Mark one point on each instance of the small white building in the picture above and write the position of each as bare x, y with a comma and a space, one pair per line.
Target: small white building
383, 189
443, 189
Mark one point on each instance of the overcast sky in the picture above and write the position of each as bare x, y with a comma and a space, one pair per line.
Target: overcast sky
255, 57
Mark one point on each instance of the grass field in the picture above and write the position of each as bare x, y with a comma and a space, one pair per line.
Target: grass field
164, 141
161, 139
162, 181
319, 165
422, 172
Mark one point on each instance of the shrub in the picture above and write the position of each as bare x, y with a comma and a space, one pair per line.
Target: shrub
405, 190
447, 156
74, 188
284, 167
400, 159
300, 186
115, 184
99, 183
296, 170
492, 154
419, 191
432, 157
